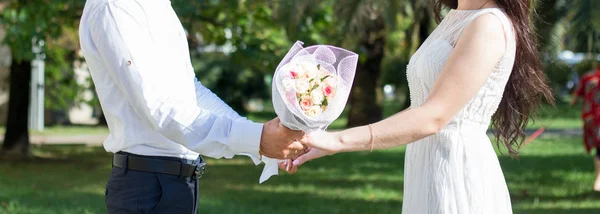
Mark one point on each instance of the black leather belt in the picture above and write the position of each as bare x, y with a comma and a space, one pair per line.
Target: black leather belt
182, 168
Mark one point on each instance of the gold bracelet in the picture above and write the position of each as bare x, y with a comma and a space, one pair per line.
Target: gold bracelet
372, 136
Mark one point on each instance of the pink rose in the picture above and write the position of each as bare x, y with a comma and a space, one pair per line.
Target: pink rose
294, 74
306, 103
328, 90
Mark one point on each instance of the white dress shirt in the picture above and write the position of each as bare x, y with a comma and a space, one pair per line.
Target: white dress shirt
138, 56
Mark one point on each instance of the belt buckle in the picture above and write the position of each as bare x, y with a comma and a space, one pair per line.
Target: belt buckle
200, 170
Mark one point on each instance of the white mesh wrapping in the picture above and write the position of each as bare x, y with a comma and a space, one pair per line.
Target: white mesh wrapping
341, 63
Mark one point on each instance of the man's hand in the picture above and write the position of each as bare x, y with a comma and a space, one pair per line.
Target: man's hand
280, 142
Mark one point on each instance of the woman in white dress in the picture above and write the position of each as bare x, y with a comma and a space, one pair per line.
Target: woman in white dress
479, 66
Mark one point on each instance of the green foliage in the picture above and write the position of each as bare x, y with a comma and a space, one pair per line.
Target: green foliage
558, 72
584, 26
26, 21
584, 67
311, 21
394, 71
61, 87
249, 46
39, 20
550, 24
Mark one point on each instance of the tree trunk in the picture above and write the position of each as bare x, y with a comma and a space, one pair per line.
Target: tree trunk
365, 108
16, 138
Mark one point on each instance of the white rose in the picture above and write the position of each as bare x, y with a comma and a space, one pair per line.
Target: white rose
317, 96
300, 70
313, 72
314, 111
288, 84
302, 85
311, 69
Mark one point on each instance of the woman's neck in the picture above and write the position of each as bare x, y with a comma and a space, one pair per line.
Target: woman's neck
474, 4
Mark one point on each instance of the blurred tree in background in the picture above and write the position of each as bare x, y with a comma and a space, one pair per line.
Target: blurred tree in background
29, 22
62, 90
235, 46
571, 25
584, 27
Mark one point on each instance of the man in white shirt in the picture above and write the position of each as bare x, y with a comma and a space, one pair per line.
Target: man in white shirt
160, 117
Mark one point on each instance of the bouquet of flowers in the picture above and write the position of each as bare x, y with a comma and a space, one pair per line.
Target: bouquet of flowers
309, 85
310, 89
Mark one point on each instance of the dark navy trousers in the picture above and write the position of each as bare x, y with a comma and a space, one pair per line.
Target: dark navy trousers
129, 191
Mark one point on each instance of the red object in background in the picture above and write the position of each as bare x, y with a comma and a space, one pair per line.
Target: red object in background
534, 135
589, 90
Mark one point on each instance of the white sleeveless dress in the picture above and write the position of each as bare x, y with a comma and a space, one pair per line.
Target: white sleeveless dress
457, 171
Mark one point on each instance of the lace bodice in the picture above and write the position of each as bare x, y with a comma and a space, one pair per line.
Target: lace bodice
429, 60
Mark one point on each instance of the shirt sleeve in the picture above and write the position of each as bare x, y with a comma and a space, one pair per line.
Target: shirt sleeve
166, 101
206, 99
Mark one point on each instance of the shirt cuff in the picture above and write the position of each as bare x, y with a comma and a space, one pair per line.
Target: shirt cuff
245, 137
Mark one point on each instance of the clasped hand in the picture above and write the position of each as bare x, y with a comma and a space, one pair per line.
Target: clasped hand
319, 144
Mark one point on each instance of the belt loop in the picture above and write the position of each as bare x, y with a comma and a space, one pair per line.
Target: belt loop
126, 164
181, 175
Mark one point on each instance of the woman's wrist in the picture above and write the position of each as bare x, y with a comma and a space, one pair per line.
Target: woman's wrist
339, 141
355, 139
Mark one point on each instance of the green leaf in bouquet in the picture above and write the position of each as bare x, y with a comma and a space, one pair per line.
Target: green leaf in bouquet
324, 103
314, 87
325, 77
319, 66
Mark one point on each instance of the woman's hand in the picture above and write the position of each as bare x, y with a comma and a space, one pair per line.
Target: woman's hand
326, 142
291, 166
287, 166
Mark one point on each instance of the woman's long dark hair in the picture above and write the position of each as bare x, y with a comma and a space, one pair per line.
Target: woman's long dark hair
527, 85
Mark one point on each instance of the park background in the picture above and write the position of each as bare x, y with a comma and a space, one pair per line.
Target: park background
52, 126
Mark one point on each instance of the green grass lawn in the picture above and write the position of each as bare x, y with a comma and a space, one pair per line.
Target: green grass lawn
553, 175
561, 116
